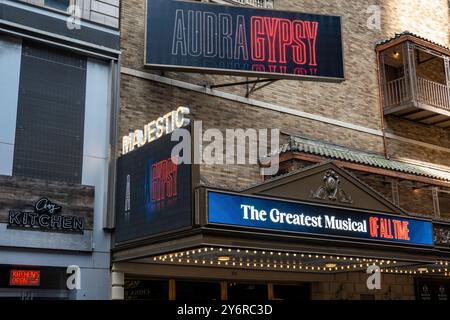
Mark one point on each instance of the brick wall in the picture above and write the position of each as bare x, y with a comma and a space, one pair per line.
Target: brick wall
143, 101
355, 100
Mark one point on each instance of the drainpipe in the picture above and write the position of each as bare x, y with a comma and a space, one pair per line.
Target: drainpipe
108, 221
381, 102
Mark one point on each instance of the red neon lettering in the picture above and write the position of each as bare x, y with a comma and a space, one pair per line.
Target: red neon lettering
258, 42
385, 229
272, 68
299, 48
272, 38
284, 38
271, 26
258, 67
301, 71
164, 180
373, 227
401, 230
311, 33
25, 278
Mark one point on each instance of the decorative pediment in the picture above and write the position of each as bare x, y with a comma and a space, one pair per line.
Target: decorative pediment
326, 184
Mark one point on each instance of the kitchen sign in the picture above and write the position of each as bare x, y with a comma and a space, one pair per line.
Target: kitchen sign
31, 278
45, 217
286, 216
211, 38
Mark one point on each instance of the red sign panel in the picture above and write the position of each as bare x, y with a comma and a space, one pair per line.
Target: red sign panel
25, 278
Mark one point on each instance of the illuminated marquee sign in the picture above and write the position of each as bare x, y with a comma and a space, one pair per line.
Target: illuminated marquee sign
263, 213
241, 40
153, 191
155, 129
30, 278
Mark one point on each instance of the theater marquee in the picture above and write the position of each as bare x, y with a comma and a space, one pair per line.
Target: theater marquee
213, 38
263, 213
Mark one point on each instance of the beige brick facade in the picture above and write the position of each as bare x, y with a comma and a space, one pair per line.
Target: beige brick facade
354, 106
354, 102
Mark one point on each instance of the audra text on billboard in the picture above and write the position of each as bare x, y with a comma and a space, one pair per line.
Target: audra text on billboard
246, 41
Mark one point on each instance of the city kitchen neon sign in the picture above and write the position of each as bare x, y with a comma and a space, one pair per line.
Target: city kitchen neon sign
263, 213
155, 129
45, 217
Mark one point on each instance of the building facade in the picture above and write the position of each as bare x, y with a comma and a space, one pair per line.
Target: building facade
59, 63
382, 132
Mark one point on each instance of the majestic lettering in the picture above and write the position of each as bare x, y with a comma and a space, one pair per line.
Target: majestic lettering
155, 129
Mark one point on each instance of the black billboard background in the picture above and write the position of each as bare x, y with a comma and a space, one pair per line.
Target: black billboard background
160, 28
145, 219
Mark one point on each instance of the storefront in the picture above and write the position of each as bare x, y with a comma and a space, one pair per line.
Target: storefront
59, 63
311, 234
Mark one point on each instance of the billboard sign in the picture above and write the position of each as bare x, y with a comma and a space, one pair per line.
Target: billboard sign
153, 193
211, 38
286, 216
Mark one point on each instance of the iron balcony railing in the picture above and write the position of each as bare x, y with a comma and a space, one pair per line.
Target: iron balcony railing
398, 92
433, 93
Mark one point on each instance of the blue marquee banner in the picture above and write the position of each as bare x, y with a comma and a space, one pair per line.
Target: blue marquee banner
269, 214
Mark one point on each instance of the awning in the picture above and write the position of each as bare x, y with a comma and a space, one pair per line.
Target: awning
298, 144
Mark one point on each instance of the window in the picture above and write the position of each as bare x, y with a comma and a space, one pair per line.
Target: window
50, 114
62, 5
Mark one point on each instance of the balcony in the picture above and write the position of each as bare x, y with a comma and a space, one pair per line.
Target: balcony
415, 79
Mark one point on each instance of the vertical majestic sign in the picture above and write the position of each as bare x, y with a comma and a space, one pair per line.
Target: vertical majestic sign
241, 40
153, 191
